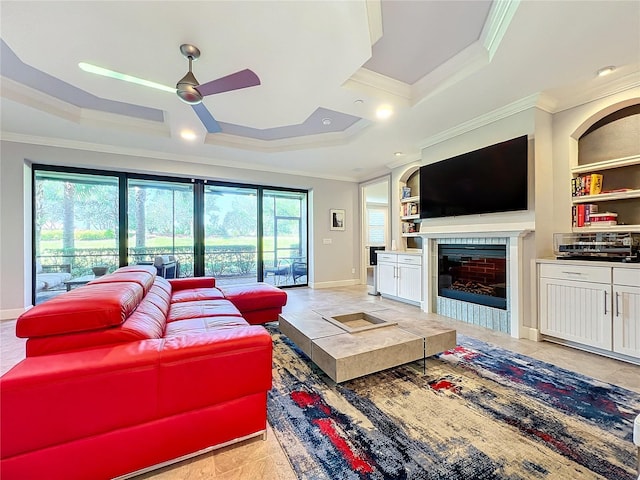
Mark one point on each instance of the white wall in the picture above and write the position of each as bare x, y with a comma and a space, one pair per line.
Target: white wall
330, 264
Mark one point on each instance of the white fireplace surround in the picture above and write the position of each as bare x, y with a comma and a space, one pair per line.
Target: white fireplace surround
511, 235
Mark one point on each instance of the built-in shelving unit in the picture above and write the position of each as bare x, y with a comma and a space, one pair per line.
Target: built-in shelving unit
410, 206
622, 177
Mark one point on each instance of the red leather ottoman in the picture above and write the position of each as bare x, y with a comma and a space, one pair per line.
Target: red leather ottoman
258, 302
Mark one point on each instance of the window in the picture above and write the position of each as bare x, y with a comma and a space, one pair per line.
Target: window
75, 228
376, 225
88, 222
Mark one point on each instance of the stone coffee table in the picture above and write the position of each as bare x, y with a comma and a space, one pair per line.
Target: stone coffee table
349, 344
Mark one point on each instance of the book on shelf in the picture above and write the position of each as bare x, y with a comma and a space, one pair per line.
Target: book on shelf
406, 192
409, 208
586, 185
582, 215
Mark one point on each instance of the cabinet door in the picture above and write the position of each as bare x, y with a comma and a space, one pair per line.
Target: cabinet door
576, 311
410, 282
626, 320
387, 278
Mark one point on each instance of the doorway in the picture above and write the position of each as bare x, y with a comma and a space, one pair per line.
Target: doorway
376, 228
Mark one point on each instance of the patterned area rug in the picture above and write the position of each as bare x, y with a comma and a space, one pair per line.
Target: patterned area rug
480, 412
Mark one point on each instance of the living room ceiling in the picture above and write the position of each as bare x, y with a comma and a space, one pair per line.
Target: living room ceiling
325, 68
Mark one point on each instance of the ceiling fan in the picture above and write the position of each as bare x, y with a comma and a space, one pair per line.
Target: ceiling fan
188, 88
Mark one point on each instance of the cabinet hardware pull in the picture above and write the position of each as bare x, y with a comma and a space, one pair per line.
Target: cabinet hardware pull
605, 302
617, 307
573, 273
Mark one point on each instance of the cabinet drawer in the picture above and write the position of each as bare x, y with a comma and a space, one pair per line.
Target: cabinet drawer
626, 276
410, 259
576, 272
387, 257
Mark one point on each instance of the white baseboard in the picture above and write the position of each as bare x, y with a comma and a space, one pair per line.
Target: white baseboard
336, 283
530, 333
12, 313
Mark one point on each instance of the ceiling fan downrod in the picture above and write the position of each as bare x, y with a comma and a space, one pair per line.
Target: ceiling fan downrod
186, 86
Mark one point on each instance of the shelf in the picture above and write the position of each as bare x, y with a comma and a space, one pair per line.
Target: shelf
412, 234
607, 164
604, 197
614, 228
411, 217
410, 200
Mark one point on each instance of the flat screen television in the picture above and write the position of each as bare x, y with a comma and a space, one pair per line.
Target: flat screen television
492, 179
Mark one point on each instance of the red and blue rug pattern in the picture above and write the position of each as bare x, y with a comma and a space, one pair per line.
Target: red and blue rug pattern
480, 412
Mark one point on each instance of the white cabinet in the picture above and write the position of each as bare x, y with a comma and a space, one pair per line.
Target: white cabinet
596, 306
626, 312
575, 304
400, 276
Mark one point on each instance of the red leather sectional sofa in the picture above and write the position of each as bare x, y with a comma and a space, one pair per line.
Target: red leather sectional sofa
131, 371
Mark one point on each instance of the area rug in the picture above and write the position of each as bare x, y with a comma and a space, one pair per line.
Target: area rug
479, 412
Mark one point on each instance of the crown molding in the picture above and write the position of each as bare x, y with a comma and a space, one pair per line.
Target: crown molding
374, 17
598, 92
43, 102
379, 86
157, 155
458, 67
319, 140
486, 119
498, 20
409, 159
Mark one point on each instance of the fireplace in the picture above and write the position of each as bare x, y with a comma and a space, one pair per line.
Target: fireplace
473, 273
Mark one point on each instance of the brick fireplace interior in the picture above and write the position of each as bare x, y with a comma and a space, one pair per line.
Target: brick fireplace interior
473, 273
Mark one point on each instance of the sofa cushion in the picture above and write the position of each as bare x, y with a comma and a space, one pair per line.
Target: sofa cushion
144, 279
255, 296
201, 325
90, 307
196, 294
205, 308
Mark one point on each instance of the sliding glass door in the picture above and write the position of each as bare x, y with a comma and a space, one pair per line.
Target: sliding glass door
284, 236
230, 233
87, 223
160, 226
75, 230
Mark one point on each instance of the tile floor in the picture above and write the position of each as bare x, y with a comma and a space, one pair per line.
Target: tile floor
257, 459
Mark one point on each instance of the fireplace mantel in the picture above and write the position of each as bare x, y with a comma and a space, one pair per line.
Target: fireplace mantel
510, 234
480, 230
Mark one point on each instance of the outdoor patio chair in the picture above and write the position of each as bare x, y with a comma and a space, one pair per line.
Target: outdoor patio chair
280, 271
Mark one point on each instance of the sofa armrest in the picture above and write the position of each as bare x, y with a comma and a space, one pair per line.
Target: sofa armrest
77, 394
192, 282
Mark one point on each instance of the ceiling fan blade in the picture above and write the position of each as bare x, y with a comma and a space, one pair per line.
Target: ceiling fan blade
105, 72
242, 79
210, 123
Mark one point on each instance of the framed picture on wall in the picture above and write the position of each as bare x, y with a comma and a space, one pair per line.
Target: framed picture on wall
336, 217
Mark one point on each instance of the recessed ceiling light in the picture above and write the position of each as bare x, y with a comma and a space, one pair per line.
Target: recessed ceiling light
398, 154
606, 70
384, 112
188, 134
326, 121
358, 101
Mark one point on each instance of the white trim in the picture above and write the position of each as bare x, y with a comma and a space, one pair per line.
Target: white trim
291, 143
335, 283
157, 155
498, 20
530, 333
378, 85
481, 121
374, 17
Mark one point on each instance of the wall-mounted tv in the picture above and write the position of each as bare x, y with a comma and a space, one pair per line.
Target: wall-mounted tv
489, 180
